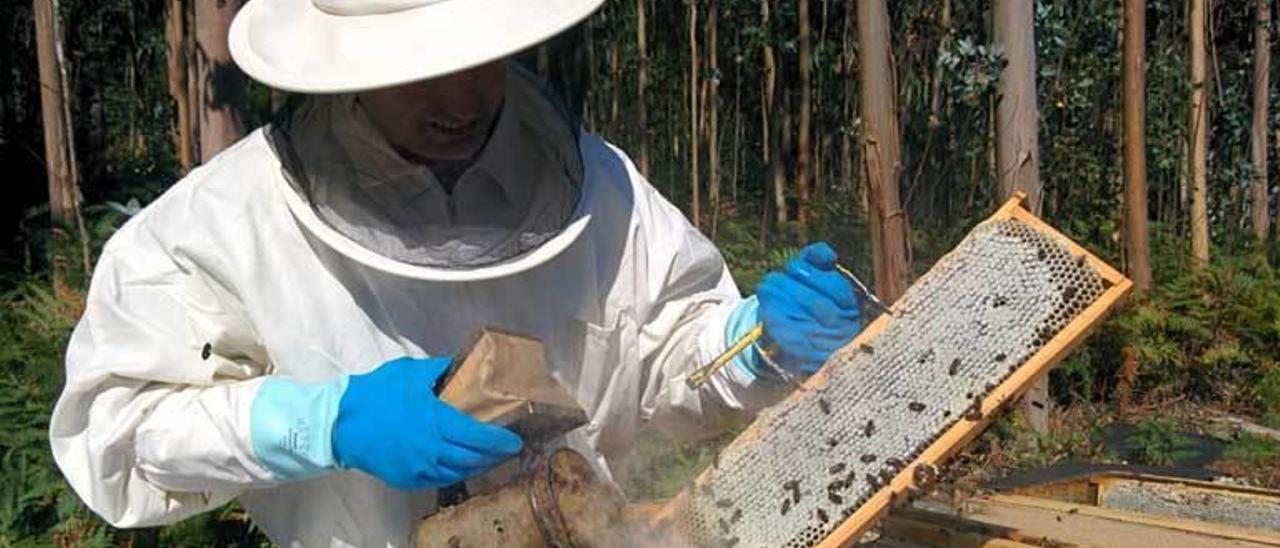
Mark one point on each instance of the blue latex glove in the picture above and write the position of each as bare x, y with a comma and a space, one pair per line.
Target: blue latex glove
387, 423
809, 311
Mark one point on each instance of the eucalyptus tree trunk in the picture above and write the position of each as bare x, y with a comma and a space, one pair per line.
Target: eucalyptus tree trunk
1018, 141
59, 146
772, 121
848, 175
642, 83
1258, 139
1135, 151
1017, 117
1199, 127
219, 84
694, 85
881, 149
176, 58
712, 128
804, 141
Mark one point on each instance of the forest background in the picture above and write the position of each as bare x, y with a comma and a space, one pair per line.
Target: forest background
1141, 129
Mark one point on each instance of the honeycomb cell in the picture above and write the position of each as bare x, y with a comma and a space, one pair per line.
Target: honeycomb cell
983, 310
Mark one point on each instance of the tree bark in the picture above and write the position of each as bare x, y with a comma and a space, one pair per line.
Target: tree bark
59, 151
1258, 140
712, 105
1199, 126
694, 84
804, 144
642, 83
1135, 151
881, 149
220, 83
772, 123
1018, 141
1017, 117
175, 36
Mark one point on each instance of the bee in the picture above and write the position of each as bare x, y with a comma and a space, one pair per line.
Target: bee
869, 429
872, 481
824, 406
822, 515
894, 462
925, 474
836, 469
954, 367
206, 351
794, 487
868, 458
786, 506
1037, 405
834, 498
915, 406
832, 442
724, 503
870, 350
1001, 357
737, 515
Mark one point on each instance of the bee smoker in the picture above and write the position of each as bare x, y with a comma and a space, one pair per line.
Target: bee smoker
549, 498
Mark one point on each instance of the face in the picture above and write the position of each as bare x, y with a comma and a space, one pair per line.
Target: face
445, 119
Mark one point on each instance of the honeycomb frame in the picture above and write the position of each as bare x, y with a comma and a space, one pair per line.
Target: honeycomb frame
897, 478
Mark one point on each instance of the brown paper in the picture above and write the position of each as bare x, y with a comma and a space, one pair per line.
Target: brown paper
504, 379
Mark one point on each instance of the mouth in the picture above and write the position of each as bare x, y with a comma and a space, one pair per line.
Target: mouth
453, 128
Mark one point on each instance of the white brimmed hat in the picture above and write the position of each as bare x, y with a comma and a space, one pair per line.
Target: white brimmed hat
334, 46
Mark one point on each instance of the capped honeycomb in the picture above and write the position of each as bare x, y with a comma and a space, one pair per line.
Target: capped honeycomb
813, 460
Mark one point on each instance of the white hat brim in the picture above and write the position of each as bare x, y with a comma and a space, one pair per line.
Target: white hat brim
294, 46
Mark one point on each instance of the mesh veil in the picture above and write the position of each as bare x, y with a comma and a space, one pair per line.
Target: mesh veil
359, 186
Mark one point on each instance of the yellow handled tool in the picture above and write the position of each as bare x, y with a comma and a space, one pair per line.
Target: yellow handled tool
700, 375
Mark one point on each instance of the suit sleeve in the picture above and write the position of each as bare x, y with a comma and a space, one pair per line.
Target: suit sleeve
691, 295
161, 372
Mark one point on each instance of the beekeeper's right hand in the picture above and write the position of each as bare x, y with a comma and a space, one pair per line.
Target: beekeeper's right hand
387, 423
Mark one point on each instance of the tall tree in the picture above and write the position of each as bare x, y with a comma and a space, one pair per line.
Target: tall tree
642, 83
712, 105
881, 149
1135, 146
1199, 127
219, 84
804, 144
771, 119
1018, 141
1017, 117
847, 48
177, 56
694, 81
59, 148
1258, 136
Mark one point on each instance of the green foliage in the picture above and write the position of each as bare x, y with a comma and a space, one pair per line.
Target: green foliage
1211, 333
1253, 450
1158, 442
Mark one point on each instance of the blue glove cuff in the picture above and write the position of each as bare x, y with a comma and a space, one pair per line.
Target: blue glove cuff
291, 425
742, 320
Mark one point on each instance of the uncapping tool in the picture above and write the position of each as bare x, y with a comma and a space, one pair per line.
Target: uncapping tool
700, 376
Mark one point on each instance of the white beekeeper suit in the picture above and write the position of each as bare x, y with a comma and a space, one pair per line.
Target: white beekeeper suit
239, 273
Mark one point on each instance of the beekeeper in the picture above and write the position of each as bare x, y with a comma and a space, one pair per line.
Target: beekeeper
271, 328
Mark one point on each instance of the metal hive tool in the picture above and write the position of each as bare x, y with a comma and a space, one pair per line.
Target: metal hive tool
818, 468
